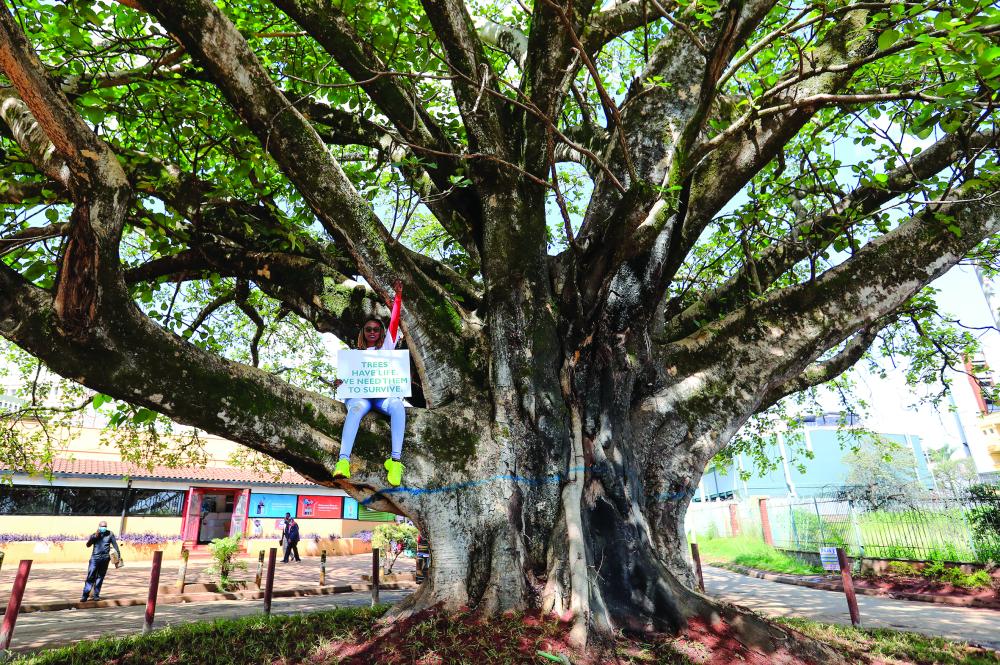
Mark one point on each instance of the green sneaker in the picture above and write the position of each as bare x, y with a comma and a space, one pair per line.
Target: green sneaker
395, 472
342, 469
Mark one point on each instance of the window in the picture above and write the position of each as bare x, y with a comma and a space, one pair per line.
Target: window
832, 418
27, 500
984, 383
157, 503
90, 501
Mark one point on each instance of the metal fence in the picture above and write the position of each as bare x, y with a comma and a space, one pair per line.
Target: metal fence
966, 529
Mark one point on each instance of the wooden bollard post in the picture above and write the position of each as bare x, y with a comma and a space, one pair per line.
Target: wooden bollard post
322, 568
182, 571
1, 559
376, 569
852, 599
696, 555
154, 586
260, 568
765, 522
272, 556
14, 604
734, 522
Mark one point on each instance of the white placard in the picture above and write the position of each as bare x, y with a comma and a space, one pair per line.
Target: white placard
373, 374
828, 557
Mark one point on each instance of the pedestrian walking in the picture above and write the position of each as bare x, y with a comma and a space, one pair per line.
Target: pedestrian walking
291, 540
102, 541
283, 541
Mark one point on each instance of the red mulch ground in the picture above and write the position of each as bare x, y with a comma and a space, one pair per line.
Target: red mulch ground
893, 584
434, 638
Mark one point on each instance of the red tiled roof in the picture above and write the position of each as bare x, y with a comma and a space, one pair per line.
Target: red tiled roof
89, 467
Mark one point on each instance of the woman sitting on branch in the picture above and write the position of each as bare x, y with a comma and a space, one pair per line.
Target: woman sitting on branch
373, 336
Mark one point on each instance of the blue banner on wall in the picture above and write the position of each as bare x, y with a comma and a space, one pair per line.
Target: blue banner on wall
350, 508
272, 505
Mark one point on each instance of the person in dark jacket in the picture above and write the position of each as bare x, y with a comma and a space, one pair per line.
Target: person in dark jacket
291, 540
102, 541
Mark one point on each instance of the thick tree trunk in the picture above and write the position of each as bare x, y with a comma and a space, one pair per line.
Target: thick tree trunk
561, 444
580, 529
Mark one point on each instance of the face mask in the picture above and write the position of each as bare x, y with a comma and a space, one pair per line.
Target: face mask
102, 529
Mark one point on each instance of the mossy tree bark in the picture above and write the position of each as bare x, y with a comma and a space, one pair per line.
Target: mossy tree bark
570, 407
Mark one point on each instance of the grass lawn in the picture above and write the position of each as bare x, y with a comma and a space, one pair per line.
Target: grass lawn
352, 636
753, 553
895, 645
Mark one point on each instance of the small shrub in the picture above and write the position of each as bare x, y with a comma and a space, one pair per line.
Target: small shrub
984, 518
224, 553
903, 569
392, 540
954, 576
935, 570
979, 580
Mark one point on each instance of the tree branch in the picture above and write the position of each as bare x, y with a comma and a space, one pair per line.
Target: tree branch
814, 234
771, 341
819, 373
298, 150
484, 115
13, 192
89, 273
508, 39
32, 139
720, 175
210, 309
620, 19
31, 235
140, 363
398, 99
241, 296
327, 299
632, 239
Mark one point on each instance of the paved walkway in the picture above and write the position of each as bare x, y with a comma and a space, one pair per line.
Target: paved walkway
41, 630
976, 626
50, 582
47, 629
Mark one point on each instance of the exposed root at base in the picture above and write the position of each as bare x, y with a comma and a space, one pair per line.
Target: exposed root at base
436, 636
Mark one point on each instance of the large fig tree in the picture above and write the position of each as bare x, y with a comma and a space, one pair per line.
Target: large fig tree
623, 229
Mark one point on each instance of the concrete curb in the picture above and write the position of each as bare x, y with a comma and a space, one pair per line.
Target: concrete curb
818, 583
176, 599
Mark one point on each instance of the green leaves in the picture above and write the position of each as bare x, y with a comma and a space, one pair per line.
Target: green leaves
888, 39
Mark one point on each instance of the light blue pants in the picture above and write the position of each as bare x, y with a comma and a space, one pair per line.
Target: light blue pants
357, 407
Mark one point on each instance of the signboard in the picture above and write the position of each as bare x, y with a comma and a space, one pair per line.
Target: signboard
828, 557
320, 507
272, 505
238, 524
375, 515
373, 374
350, 508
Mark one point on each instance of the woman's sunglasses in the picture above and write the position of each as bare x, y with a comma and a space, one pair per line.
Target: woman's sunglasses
373, 329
